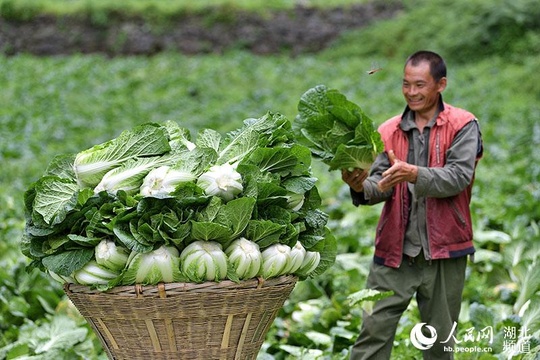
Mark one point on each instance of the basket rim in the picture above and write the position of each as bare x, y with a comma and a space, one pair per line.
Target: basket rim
163, 290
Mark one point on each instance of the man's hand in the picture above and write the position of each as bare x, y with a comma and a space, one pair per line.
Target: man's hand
399, 172
355, 178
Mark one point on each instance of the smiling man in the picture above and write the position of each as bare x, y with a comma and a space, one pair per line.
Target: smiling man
424, 235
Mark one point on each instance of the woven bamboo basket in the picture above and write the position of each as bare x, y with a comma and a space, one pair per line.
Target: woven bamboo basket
224, 320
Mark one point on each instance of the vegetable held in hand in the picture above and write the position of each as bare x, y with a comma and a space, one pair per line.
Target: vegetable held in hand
336, 130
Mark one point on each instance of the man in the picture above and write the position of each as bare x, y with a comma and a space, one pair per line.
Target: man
424, 233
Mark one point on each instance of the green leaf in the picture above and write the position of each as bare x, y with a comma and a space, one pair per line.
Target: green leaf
54, 198
530, 285
336, 130
60, 335
254, 134
275, 160
209, 138
62, 167
145, 140
346, 157
65, 263
264, 232
327, 247
299, 184
236, 215
210, 231
531, 315
367, 297
481, 316
123, 232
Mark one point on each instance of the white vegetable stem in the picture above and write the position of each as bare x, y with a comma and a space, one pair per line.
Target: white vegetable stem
310, 263
111, 256
162, 181
204, 261
276, 260
160, 265
298, 254
92, 273
221, 180
246, 258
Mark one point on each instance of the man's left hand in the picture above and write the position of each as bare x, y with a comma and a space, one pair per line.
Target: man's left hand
399, 171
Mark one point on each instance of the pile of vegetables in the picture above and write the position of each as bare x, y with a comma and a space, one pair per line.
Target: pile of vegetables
154, 205
336, 130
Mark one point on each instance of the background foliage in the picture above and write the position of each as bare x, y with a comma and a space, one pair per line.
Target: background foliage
64, 104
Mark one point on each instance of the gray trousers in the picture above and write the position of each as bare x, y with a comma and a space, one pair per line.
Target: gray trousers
437, 285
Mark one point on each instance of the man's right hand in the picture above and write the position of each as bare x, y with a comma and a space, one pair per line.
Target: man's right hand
355, 179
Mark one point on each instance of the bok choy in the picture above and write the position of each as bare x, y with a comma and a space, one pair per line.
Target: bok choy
156, 205
336, 130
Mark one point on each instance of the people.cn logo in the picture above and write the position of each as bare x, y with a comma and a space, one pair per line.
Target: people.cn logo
421, 341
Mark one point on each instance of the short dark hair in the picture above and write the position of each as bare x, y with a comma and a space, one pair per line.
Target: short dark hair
437, 67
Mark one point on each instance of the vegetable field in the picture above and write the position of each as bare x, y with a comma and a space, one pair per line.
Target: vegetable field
60, 105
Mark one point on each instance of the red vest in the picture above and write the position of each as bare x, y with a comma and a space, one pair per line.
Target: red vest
449, 226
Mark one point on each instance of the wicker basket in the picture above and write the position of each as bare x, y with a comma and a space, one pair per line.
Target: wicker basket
224, 320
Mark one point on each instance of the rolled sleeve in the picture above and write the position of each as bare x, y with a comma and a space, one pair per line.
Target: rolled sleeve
371, 194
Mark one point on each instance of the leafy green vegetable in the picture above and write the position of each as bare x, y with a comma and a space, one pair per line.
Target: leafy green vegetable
368, 297
111, 256
222, 181
245, 257
143, 141
276, 260
336, 130
160, 265
204, 261
176, 206
94, 274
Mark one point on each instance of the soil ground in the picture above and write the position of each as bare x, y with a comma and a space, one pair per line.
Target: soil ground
299, 30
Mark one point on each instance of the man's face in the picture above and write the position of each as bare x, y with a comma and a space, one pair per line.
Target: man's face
420, 89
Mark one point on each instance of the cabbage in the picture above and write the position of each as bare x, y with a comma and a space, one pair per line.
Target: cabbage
204, 261
111, 256
276, 260
153, 191
310, 263
245, 257
160, 265
336, 130
162, 181
142, 141
94, 274
298, 253
129, 176
222, 181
